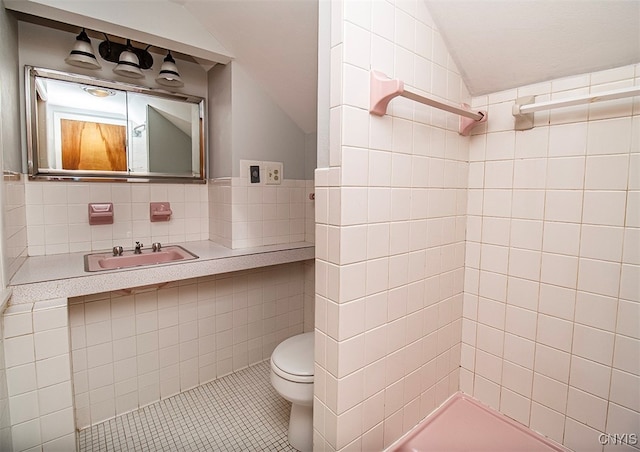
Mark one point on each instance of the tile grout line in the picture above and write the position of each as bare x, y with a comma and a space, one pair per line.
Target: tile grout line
240, 411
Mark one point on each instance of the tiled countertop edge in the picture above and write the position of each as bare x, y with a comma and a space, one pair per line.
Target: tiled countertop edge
92, 283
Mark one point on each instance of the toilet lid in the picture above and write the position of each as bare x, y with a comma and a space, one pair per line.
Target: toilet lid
295, 355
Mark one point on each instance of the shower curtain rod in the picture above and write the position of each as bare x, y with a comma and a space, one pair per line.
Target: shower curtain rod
524, 107
384, 89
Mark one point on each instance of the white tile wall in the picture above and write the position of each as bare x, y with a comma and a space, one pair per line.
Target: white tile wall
246, 215
133, 349
38, 376
57, 215
569, 367
390, 228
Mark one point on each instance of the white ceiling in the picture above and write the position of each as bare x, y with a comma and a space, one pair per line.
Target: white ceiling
276, 41
500, 44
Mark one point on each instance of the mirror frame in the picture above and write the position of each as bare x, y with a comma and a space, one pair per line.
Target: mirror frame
34, 141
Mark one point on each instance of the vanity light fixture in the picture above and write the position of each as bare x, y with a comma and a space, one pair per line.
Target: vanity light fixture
130, 60
168, 74
82, 54
128, 63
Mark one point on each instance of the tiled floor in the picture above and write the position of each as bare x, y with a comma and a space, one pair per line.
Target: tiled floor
239, 412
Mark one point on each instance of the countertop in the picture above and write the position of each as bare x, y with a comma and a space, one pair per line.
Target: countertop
63, 275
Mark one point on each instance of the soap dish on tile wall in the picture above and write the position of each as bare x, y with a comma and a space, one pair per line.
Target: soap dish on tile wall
100, 213
160, 211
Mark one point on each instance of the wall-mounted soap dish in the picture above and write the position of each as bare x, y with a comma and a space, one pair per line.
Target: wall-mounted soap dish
160, 211
100, 213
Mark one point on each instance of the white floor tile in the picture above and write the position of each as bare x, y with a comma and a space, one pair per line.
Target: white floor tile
238, 412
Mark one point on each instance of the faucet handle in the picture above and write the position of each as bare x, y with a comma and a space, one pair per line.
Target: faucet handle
156, 246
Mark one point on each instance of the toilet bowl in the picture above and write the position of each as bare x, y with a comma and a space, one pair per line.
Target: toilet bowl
292, 377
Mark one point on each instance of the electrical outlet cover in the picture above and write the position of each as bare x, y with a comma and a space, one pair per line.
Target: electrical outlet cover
273, 173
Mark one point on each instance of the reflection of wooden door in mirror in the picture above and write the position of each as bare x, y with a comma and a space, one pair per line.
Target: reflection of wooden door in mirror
93, 146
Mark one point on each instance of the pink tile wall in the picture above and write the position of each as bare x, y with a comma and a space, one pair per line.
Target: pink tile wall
6, 442
15, 227
133, 349
220, 214
38, 370
245, 215
551, 330
309, 296
309, 212
390, 231
57, 219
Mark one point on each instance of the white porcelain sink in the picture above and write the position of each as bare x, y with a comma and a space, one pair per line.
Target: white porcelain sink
107, 261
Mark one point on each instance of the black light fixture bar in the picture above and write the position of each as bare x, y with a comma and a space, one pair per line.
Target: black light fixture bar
129, 60
111, 51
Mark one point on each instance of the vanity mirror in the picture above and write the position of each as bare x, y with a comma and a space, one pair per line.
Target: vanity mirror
82, 128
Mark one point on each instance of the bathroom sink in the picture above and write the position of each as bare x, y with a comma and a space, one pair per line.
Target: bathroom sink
107, 261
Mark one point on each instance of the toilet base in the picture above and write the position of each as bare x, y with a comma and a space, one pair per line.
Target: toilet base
301, 427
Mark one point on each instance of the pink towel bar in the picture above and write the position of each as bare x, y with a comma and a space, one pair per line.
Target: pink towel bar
384, 89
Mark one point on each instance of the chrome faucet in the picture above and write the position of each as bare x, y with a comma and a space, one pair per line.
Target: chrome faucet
156, 246
138, 249
117, 251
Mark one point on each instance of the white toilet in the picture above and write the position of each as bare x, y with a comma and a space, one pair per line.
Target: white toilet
292, 377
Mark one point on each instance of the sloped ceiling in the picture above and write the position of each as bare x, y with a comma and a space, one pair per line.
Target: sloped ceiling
276, 41
499, 44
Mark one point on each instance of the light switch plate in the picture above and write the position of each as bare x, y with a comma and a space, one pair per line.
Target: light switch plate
273, 172
254, 174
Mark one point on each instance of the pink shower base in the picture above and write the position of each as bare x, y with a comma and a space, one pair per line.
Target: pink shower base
463, 424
